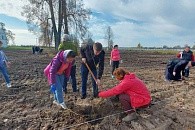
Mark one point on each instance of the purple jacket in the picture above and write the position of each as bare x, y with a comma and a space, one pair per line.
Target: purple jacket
51, 70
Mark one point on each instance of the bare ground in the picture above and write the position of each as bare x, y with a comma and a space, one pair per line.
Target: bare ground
28, 105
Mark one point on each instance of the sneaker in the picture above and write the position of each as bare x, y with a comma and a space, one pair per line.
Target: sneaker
63, 105
83, 97
55, 102
9, 85
130, 117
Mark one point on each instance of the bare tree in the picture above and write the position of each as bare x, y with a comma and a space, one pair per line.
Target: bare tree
109, 37
64, 14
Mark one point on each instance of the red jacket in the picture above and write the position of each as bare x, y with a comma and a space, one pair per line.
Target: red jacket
134, 87
115, 55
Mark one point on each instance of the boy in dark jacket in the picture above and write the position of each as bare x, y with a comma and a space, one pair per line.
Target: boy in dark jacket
92, 55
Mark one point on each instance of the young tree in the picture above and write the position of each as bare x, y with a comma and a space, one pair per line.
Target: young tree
139, 45
64, 14
7, 34
109, 37
10, 37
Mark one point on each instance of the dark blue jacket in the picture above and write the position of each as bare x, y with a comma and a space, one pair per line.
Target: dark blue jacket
92, 60
187, 55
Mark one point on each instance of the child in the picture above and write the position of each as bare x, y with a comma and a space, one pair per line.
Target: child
93, 55
56, 71
3, 66
132, 93
114, 58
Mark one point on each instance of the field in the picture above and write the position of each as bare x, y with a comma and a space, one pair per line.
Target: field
28, 105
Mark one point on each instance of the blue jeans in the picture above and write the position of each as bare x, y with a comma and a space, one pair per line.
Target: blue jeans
187, 72
58, 95
84, 78
73, 77
3, 70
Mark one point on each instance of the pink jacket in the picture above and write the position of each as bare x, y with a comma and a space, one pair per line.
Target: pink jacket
52, 69
132, 86
115, 55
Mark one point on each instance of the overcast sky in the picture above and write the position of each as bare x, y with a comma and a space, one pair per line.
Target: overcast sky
149, 22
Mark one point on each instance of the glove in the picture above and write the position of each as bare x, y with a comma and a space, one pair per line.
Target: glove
110, 62
174, 73
84, 60
52, 88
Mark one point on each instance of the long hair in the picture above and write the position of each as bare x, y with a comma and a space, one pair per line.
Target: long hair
119, 73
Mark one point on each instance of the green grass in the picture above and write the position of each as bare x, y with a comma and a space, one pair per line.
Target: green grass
26, 48
18, 48
164, 52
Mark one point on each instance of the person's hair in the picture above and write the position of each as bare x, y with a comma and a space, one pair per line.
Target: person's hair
119, 73
97, 46
66, 37
115, 46
71, 54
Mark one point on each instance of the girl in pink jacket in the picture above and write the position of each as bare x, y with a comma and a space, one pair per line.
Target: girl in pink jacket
56, 71
132, 92
115, 58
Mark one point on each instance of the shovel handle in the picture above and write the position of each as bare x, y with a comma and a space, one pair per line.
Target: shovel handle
91, 72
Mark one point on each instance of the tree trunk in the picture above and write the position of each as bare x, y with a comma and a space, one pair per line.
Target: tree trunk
65, 16
53, 23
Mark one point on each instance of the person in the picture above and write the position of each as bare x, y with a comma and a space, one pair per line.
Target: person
65, 45
114, 58
187, 55
174, 68
4, 64
58, 68
37, 49
132, 93
92, 55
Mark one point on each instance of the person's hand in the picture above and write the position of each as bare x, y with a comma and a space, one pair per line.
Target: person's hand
52, 88
174, 73
110, 62
121, 61
98, 82
84, 60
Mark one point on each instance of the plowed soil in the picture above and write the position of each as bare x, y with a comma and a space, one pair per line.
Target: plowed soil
28, 104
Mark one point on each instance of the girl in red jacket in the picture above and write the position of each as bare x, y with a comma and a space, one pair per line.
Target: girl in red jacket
132, 92
115, 58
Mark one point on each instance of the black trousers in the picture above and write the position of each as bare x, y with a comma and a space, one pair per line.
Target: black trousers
115, 64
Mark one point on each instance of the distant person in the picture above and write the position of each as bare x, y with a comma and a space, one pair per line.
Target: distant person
56, 71
93, 55
66, 44
115, 58
132, 93
37, 50
174, 68
4, 63
187, 55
